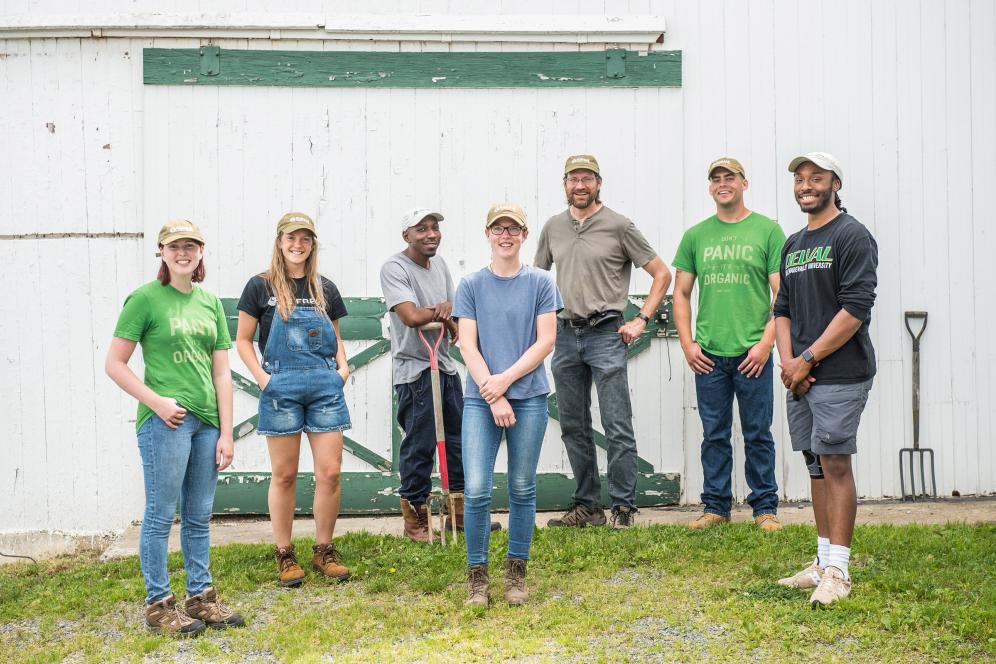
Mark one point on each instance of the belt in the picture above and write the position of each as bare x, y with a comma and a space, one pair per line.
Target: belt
595, 320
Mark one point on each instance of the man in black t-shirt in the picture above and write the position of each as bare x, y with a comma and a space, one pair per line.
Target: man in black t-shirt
822, 314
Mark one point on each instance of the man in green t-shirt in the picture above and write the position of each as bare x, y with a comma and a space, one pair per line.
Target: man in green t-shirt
734, 256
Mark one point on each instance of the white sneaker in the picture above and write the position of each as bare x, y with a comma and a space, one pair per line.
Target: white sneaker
833, 586
807, 578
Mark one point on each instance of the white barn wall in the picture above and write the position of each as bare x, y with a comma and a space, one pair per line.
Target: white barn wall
904, 93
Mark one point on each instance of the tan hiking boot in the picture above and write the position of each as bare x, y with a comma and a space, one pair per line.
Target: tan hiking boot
579, 516
708, 520
833, 586
769, 523
328, 563
288, 570
477, 586
208, 609
456, 500
416, 521
165, 617
515, 582
804, 580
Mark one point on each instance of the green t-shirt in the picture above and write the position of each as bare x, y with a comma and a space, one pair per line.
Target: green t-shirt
731, 262
178, 333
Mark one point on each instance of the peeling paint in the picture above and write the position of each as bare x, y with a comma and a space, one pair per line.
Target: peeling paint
437, 79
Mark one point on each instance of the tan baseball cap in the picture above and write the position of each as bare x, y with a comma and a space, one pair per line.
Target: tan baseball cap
413, 217
295, 221
729, 163
506, 211
577, 161
178, 230
824, 160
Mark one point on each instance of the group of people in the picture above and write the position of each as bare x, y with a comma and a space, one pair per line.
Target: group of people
811, 295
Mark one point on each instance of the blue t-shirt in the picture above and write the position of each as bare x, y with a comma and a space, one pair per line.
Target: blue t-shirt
506, 309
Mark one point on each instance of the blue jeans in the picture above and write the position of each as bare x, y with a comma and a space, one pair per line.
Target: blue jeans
481, 439
177, 464
416, 417
581, 356
755, 397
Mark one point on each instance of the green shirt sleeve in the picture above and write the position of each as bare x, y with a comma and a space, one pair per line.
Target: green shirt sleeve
776, 240
684, 257
224, 340
134, 321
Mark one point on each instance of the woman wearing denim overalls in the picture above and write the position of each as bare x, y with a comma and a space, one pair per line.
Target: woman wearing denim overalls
302, 376
184, 425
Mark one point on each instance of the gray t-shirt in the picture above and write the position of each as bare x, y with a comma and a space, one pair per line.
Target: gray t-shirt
506, 309
404, 280
594, 260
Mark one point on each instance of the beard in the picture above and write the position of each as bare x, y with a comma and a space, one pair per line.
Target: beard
593, 197
822, 201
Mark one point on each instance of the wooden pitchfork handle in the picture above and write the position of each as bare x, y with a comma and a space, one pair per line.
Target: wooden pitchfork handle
915, 336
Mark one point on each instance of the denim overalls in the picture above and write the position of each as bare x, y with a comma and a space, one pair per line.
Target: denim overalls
305, 390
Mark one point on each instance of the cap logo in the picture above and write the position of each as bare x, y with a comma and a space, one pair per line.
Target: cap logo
179, 229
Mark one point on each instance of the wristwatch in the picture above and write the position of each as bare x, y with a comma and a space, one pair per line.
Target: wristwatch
644, 317
808, 356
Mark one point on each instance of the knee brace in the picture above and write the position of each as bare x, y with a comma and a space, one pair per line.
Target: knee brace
813, 465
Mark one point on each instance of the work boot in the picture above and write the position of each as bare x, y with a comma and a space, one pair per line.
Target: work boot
807, 578
456, 503
477, 586
623, 517
769, 523
289, 572
328, 563
416, 521
206, 608
515, 582
165, 617
708, 520
579, 516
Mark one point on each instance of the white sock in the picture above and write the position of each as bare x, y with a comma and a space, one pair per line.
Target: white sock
838, 557
822, 550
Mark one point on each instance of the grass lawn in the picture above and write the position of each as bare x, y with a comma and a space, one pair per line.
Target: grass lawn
659, 593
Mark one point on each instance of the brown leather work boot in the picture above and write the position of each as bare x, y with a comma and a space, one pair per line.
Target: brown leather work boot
456, 500
328, 563
288, 570
165, 617
206, 608
416, 521
515, 582
477, 586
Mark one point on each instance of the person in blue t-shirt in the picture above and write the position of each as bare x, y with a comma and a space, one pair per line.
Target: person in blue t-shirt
508, 324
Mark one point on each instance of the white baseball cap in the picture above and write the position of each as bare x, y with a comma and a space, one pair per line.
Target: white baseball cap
824, 160
418, 214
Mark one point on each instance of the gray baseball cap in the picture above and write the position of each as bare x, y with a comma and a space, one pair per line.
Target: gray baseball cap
824, 160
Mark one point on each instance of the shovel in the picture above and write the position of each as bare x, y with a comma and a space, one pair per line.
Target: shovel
444, 502
907, 454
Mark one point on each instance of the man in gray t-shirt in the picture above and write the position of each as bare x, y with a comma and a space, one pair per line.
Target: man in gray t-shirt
595, 250
418, 289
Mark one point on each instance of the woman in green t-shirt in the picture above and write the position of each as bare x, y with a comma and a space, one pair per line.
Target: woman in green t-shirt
184, 424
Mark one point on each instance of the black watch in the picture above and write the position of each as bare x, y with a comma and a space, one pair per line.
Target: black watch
644, 317
808, 356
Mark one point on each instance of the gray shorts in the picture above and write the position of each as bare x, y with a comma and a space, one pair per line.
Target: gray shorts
825, 420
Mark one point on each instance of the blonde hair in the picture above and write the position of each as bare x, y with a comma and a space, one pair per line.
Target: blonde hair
281, 284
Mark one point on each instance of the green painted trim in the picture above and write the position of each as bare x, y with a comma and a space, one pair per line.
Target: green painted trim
376, 493
376, 69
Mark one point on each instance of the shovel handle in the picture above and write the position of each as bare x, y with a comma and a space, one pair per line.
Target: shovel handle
915, 336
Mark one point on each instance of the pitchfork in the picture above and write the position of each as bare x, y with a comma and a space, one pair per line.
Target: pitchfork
925, 453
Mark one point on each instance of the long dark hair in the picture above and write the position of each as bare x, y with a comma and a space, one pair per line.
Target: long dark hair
197, 277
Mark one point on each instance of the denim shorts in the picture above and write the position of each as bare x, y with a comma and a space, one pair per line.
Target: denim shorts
298, 400
825, 420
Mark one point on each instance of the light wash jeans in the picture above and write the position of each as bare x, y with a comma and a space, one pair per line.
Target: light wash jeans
178, 464
481, 439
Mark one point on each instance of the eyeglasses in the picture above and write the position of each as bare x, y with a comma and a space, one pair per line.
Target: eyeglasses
587, 180
511, 230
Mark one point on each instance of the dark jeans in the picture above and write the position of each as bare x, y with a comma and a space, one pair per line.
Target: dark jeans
583, 355
418, 421
755, 398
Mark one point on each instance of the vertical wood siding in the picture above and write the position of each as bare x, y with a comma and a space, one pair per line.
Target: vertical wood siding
903, 92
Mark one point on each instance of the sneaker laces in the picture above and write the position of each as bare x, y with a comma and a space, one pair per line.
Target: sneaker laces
623, 516
829, 581
574, 514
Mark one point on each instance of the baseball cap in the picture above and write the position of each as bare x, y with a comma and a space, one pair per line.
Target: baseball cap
178, 230
295, 221
417, 215
824, 160
729, 163
506, 210
577, 161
